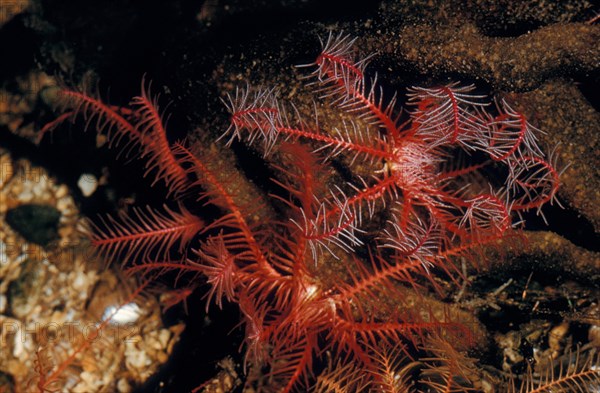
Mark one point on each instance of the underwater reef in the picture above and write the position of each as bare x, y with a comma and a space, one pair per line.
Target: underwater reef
373, 196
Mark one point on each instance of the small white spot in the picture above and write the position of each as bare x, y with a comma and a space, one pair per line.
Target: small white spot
311, 291
87, 183
18, 345
3, 255
128, 313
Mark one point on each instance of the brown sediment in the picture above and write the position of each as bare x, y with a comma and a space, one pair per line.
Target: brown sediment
547, 250
51, 302
518, 63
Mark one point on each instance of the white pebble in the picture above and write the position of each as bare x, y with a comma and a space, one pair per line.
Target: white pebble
26, 196
63, 204
127, 313
87, 183
3, 255
18, 344
61, 191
